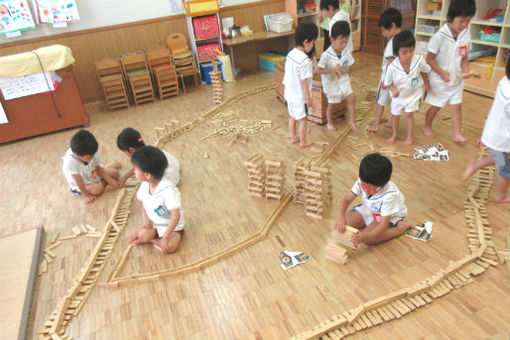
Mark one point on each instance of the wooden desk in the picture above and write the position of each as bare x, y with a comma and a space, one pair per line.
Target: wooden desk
259, 36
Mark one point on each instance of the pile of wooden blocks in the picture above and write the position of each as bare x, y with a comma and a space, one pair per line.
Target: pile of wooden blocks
171, 129
216, 84
317, 189
299, 178
340, 248
274, 179
256, 176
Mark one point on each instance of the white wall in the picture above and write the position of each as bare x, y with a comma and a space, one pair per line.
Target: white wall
100, 13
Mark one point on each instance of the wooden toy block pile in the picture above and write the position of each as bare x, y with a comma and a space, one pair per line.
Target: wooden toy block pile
256, 175
216, 84
299, 178
340, 248
317, 189
171, 129
274, 179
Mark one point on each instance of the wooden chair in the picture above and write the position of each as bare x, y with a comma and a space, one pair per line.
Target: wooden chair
137, 73
109, 73
163, 72
182, 57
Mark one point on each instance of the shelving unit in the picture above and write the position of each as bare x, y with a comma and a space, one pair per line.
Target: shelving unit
491, 68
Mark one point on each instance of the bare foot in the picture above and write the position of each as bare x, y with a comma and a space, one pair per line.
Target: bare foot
460, 139
388, 124
331, 127
391, 140
404, 225
502, 201
427, 130
408, 142
294, 140
133, 236
470, 170
355, 127
157, 247
373, 128
303, 145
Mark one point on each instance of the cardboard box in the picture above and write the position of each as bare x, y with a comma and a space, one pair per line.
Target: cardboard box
434, 6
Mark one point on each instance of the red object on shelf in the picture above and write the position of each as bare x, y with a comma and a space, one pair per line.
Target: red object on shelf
206, 27
208, 51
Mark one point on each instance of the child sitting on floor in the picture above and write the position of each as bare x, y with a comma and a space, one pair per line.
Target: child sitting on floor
334, 67
130, 140
82, 169
163, 218
381, 216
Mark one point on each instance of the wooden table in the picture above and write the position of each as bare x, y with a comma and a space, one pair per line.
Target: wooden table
259, 36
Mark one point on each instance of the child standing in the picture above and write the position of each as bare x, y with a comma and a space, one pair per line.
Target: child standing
405, 77
334, 67
448, 57
163, 219
496, 136
381, 216
130, 140
331, 9
298, 80
390, 24
349, 6
82, 168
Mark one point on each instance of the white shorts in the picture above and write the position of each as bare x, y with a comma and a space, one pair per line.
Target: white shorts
161, 229
397, 108
383, 95
441, 94
345, 91
296, 110
368, 218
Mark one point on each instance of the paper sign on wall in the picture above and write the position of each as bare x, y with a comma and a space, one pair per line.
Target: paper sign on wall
15, 16
56, 11
17, 87
3, 117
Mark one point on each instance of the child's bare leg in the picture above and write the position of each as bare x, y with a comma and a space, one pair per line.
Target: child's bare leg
354, 219
171, 245
457, 124
502, 185
113, 170
390, 233
474, 166
351, 107
292, 129
302, 133
378, 116
142, 235
329, 117
410, 129
429, 117
395, 119
95, 188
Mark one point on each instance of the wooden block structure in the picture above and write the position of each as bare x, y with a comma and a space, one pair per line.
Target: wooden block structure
279, 71
274, 179
138, 76
109, 73
340, 248
256, 175
216, 83
317, 113
317, 189
163, 71
299, 178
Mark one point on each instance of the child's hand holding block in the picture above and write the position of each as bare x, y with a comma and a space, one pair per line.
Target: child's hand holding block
340, 248
345, 239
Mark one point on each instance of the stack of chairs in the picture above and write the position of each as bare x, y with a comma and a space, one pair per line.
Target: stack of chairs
163, 72
138, 76
109, 73
182, 56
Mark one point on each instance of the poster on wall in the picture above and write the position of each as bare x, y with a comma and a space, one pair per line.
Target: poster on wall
17, 87
15, 16
56, 11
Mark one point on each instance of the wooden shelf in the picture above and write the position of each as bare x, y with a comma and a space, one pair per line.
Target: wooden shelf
305, 15
481, 42
429, 17
424, 34
486, 23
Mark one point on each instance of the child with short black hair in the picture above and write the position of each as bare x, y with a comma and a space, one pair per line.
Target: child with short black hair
390, 23
405, 77
448, 57
163, 216
496, 137
130, 140
334, 67
82, 168
331, 9
298, 80
381, 216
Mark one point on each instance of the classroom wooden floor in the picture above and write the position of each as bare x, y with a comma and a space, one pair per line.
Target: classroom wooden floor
247, 295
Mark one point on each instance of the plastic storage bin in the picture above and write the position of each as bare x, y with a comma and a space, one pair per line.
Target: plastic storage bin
208, 52
279, 22
427, 29
206, 27
490, 37
205, 69
267, 60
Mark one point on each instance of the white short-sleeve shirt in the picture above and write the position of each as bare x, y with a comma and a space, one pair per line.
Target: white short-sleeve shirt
410, 84
496, 132
449, 53
343, 16
298, 67
172, 172
72, 165
388, 201
330, 59
388, 54
161, 202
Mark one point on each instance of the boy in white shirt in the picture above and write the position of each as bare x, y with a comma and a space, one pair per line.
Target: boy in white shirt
334, 67
448, 57
298, 80
496, 136
82, 168
331, 9
163, 218
381, 216
405, 77
390, 23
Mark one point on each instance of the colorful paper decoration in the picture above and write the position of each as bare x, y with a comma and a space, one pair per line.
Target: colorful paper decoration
15, 16
56, 11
